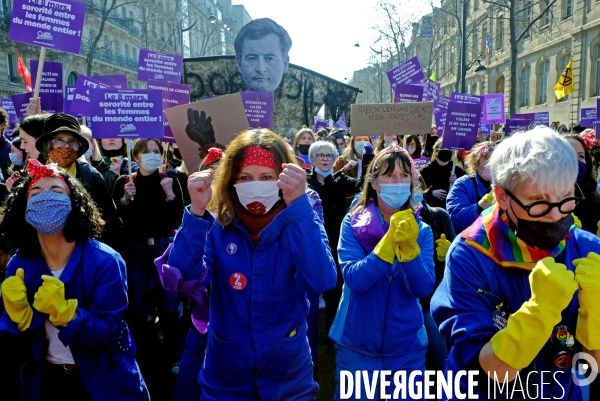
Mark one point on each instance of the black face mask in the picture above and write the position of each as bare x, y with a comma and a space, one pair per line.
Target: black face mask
112, 153
444, 155
544, 235
177, 153
303, 149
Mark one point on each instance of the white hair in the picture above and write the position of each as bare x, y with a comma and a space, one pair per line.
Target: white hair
314, 148
539, 156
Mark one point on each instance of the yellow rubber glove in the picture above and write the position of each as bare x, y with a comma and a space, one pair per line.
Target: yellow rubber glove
587, 275
528, 329
50, 299
385, 248
488, 198
405, 236
14, 294
598, 232
577, 221
442, 248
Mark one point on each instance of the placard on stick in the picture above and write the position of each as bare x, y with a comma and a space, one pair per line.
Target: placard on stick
51, 86
173, 95
404, 118
462, 123
159, 66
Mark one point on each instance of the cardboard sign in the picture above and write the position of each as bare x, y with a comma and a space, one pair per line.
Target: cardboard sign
404, 118
408, 72
51, 92
514, 125
126, 113
173, 95
159, 66
20, 102
56, 25
462, 124
201, 123
493, 108
259, 108
81, 99
408, 93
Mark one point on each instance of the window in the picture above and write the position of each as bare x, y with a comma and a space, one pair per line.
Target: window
474, 46
547, 13
563, 65
11, 68
598, 69
475, 5
568, 8
500, 32
528, 18
543, 89
123, 13
127, 50
117, 48
72, 79
525, 87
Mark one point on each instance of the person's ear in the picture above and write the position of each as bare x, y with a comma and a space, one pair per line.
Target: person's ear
238, 64
375, 185
501, 197
286, 63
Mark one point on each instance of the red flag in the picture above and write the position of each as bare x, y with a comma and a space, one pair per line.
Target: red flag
24, 73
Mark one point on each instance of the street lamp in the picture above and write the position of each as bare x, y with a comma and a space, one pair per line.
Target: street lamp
212, 19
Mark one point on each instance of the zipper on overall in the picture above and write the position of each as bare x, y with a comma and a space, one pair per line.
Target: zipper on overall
385, 316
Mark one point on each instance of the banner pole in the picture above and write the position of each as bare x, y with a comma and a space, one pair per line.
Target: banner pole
128, 143
38, 77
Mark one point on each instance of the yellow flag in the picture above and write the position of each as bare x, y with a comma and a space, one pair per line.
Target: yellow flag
565, 83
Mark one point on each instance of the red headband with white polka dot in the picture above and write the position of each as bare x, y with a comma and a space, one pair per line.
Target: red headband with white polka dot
258, 156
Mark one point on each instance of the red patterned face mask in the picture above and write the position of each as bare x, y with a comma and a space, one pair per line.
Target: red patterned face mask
258, 196
64, 157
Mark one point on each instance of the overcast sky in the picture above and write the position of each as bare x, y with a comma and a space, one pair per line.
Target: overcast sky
324, 32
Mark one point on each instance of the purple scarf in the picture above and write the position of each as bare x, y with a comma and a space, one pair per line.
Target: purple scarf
368, 226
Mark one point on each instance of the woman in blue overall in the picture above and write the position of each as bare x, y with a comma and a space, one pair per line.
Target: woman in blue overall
520, 292
260, 256
471, 194
66, 294
386, 257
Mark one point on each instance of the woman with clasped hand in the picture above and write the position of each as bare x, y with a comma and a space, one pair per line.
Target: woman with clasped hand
65, 294
264, 250
519, 298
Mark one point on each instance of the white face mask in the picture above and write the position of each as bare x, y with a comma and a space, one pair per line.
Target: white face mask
151, 162
258, 197
88, 153
411, 149
359, 146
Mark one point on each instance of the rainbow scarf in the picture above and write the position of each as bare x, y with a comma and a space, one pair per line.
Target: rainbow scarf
492, 236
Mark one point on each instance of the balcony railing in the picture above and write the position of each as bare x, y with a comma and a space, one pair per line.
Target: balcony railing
202, 5
109, 57
113, 18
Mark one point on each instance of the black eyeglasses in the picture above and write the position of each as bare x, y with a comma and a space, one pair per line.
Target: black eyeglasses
323, 157
542, 208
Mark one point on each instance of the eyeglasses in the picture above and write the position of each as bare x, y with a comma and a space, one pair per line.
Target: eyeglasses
542, 208
323, 157
73, 144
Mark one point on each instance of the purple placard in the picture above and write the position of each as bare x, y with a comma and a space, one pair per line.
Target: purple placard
434, 90
81, 99
408, 72
20, 102
408, 93
126, 113
118, 81
159, 66
173, 95
51, 92
597, 107
464, 98
589, 113
320, 124
462, 124
587, 122
542, 118
421, 162
259, 108
440, 109
523, 116
514, 125
53, 24
9, 107
68, 99
485, 129
493, 109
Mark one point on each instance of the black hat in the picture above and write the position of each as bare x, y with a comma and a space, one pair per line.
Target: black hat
57, 123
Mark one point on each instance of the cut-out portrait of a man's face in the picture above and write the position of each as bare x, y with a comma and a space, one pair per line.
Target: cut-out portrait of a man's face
261, 52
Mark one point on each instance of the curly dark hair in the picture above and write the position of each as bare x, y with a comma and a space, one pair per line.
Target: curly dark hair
84, 222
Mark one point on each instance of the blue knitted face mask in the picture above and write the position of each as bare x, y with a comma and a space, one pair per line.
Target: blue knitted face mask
47, 212
394, 195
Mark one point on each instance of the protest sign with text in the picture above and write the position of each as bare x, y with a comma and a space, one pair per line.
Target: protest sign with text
320, 123
117, 81
81, 98
404, 93
404, 118
8, 105
514, 125
172, 95
462, 124
51, 91
421, 162
408, 72
159, 66
126, 113
20, 102
440, 110
57, 25
259, 108
493, 108
68, 99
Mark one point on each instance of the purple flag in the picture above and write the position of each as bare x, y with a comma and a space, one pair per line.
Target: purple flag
173, 95
408, 93
514, 125
81, 99
320, 124
408, 72
51, 92
21, 101
259, 108
341, 123
159, 66
54, 24
126, 113
462, 124
440, 109
493, 108
117, 81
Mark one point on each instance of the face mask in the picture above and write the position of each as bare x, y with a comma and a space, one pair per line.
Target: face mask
417, 197
580, 174
444, 155
544, 235
258, 197
47, 212
112, 153
14, 159
303, 149
553, 128
394, 195
151, 162
64, 157
411, 149
177, 153
322, 173
88, 153
359, 147
486, 174
341, 148
388, 141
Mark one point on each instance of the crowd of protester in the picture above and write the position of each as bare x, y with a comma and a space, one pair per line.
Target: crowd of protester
417, 268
